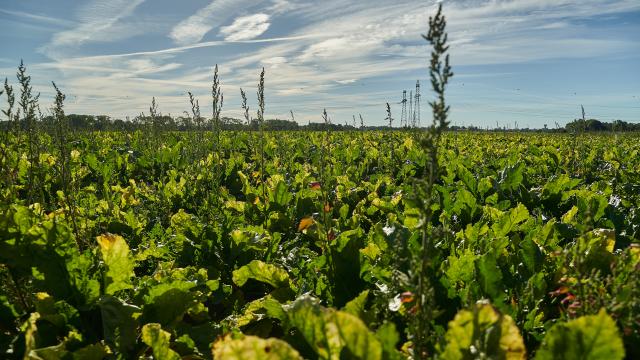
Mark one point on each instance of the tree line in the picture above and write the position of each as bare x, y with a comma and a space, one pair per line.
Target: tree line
81, 122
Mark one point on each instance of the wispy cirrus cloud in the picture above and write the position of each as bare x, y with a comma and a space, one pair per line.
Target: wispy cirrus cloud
284, 6
38, 18
97, 21
196, 26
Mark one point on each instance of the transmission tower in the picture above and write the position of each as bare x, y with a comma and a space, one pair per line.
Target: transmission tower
416, 106
413, 123
403, 116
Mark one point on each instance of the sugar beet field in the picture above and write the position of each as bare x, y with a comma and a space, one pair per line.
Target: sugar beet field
418, 243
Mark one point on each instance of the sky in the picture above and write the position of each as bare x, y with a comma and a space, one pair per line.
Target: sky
522, 63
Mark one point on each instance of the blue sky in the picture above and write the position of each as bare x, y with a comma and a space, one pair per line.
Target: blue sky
533, 62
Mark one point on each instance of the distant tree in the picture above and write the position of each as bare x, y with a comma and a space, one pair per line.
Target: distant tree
277, 124
597, 125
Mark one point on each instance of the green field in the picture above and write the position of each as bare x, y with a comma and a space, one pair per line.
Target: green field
127, 244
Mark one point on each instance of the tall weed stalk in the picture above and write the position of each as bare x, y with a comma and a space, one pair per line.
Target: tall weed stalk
9, 135
61, 136
28, 103
197, 121
424, 268
261, 106
326, 211
217, 99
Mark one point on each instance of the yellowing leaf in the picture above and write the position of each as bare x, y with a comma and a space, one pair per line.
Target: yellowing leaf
634, 250
115, 254
305, 223
408, 142
30, 329
253, 347
235, 205
263, 272
609, 236
570, 215
371, 251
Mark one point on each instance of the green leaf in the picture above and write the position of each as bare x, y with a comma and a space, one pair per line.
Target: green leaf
389, 337
585, 338
357, 305
532, 256
467, 178
311, 320
119, 324
46, 249
490, 276
460, 273
356, 336
263, 272
465, 199
253, 347
483, 333
510, 220
61, 351
91, 352
8, 313
82, 278
158, 340
411, 218
166, 303
484, 185
280, 195
570, 215
257, 310
512, 176
115, 254
328, 331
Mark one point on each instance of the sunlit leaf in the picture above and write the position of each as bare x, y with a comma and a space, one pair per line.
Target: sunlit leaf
609, 235
253, 347
305, 223
263, 272
328, 331
483, 333
115, 254
159, 341
585, 338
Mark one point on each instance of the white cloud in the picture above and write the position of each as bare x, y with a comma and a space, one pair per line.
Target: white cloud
275, 62
246, 27
97, 21
195, 27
